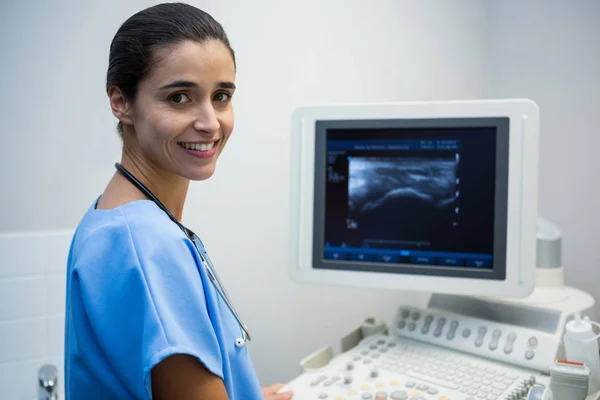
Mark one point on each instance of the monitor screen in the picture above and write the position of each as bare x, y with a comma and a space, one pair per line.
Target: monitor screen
412, 196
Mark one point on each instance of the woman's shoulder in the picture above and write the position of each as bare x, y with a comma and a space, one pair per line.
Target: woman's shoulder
138, 226
142, 215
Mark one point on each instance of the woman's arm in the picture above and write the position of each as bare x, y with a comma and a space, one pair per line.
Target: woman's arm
183, 377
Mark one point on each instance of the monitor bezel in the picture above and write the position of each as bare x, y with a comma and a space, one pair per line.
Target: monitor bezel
521, 196
500, 124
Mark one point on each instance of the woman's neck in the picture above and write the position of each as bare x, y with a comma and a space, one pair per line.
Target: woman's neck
170, 189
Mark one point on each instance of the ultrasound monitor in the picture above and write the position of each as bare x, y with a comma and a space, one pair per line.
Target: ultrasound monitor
427, 196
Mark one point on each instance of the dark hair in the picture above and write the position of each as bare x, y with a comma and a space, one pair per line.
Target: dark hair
132, 49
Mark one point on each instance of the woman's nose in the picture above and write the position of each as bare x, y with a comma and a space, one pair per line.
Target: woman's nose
207, 120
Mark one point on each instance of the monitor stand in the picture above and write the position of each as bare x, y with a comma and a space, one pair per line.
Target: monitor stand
551, 293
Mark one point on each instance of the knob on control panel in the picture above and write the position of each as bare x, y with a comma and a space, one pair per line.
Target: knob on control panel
480, 335
495, 339
533, 342
427, 325
439, 327
452, 330
510, 340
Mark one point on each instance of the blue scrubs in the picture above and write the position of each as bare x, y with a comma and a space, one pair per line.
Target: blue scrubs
136, 294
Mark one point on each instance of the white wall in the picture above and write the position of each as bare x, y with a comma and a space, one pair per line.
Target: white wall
550, 51
59, 142
58, 137
32, 308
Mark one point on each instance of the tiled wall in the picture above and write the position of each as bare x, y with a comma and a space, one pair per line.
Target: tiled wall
32, 298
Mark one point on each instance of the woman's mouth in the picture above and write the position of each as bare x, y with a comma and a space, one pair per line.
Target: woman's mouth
201, 150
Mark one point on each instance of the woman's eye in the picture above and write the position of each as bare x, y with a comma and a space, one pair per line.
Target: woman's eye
222, 97
179, 98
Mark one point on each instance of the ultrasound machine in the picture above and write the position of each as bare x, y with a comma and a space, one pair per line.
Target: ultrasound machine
439, 197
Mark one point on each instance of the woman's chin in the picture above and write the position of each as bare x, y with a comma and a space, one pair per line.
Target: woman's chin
201, 173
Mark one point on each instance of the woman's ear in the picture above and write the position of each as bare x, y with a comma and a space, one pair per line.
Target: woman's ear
120, 106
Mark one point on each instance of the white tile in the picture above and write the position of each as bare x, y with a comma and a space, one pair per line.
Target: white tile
22, 298
34, 253
55, 336
18, 381
56, 287
22, 340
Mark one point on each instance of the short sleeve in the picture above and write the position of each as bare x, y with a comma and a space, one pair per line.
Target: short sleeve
144, 297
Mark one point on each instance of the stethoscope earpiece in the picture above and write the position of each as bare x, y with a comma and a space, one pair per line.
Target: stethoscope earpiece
239, 342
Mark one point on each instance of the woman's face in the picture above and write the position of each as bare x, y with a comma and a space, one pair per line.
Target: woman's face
183, 115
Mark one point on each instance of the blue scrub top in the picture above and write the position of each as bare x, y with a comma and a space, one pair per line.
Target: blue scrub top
136, 294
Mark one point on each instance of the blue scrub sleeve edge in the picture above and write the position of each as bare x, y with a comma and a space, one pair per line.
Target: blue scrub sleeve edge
170, 351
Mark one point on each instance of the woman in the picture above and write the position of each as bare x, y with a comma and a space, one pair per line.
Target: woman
144, 318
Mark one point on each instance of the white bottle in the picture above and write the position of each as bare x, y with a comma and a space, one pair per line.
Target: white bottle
581, 345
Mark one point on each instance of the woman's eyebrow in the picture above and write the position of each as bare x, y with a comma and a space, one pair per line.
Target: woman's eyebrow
179, 84
226, 85
190, 84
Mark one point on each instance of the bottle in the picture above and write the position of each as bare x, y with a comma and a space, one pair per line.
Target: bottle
581, 345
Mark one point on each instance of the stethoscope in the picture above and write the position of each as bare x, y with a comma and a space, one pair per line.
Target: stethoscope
206, 262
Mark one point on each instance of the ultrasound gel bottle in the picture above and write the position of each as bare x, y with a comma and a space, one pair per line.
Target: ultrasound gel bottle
581, 345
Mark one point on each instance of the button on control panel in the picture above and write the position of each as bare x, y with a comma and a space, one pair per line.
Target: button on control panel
507, 343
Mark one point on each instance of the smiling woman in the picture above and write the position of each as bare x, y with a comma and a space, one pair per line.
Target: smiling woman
182, 108
147, 316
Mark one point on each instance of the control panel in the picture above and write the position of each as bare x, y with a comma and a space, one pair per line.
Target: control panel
515, 345
386, 367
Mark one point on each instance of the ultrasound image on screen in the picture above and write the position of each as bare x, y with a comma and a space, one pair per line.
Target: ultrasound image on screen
374, 182
402, 197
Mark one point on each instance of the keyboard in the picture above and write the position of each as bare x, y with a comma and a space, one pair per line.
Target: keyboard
386, 367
